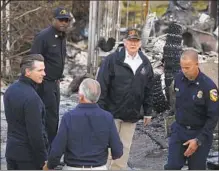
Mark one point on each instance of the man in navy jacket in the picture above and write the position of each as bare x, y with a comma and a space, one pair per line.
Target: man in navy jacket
85, 134
27, 142
125, 77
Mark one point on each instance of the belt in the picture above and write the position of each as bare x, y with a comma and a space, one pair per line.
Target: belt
85, 166
191, 127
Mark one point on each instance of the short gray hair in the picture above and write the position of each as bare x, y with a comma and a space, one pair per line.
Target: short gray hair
28, 62
190, 54
91, 90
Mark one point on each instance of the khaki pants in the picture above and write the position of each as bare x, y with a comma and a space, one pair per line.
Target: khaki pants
91, 168
126, 131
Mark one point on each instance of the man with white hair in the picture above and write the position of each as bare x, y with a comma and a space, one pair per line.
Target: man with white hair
85, 134
126, 80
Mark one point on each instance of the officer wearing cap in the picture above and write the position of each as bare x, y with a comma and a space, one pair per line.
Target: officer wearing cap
196, 116
125, 77
51, 43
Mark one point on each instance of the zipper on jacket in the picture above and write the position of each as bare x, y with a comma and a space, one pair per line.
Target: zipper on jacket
127, 66
62, 57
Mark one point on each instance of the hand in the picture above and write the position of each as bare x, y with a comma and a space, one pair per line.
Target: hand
192, 147
147, 121
45, 166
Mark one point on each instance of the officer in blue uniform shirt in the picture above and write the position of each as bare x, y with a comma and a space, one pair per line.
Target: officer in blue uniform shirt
51, 43
196, 116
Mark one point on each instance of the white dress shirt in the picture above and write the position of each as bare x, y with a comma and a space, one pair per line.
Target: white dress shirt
133, 62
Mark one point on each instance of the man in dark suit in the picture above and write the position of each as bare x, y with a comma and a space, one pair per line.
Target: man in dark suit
27, 142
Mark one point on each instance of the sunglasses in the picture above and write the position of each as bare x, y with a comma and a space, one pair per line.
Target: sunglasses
64, 20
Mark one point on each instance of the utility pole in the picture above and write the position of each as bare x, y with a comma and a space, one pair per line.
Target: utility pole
92, 37
127, 14
212, 10
146, 9
118, 21
5, 38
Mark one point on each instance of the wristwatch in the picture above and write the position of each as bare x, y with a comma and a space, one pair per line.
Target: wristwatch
199, 143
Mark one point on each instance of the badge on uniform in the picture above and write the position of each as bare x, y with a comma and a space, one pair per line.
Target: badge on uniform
177, 89
143, 71
200, 94
213, 95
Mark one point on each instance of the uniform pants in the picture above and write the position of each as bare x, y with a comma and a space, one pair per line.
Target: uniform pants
21, 165
176, 158
91, 168
49, 91
126, 131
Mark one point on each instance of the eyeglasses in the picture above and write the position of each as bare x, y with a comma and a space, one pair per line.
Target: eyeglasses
64, 20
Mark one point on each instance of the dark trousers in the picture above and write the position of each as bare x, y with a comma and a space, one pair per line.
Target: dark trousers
49, 91
176, 158
21, 165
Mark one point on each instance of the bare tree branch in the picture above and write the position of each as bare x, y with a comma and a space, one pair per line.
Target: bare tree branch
4, 5
28, 12
24, 20
19, 54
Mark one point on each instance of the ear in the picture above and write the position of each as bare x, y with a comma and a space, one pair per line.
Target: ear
54, 21
27, 71
125, 42
140, 44
80, 96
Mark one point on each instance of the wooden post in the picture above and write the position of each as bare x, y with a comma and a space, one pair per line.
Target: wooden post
127, 14
118, 21
2, 3
92, 36
212, 9
146, 9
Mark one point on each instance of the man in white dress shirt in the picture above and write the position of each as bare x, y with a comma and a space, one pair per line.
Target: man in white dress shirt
125, 77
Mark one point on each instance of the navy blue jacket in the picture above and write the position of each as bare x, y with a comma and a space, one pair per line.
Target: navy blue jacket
24, 111
122, 92
84, 136
52, 45
197, 104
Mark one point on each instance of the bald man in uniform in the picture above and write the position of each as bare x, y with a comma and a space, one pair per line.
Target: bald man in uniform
196, 116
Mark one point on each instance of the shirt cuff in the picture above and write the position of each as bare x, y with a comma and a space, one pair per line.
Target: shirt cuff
148, 117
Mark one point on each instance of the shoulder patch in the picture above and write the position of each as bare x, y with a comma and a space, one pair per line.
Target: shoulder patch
213, 95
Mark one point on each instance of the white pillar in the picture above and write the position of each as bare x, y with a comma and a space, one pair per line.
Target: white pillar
8, 65
1, 36
92, 36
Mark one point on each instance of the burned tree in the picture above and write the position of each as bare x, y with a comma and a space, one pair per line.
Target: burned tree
20, 21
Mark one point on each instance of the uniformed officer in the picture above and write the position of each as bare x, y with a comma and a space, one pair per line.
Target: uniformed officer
51, 43
196, 116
